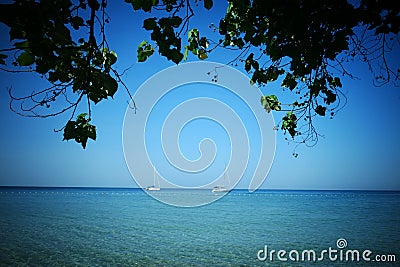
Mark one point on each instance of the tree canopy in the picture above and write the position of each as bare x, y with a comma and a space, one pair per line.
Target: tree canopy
305, 45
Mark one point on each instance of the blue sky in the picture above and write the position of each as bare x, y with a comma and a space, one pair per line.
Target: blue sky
359, 151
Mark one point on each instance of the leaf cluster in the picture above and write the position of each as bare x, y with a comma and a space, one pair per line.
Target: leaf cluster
41, 37
196, 45
80, 130
298, 43
302, 45
166, 31
271, 102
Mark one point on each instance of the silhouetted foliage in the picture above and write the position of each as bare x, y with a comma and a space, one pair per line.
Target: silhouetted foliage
304, 45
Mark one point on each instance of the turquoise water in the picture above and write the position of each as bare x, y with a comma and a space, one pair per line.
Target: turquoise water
125, 227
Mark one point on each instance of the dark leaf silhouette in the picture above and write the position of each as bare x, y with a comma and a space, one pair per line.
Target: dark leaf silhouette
305, 46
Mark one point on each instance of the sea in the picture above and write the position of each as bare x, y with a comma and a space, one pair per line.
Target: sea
127, 227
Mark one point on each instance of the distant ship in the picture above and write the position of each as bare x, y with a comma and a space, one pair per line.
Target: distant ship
222, 188
154, 187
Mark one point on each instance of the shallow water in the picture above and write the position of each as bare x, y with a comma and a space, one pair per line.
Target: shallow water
126, 227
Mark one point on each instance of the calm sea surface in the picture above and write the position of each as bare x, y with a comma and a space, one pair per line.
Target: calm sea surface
126, 227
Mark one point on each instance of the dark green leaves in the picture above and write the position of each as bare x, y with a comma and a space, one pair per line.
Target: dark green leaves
298, 45
80, 130
77, 22
175, 21
149, 24
94, 4
26, 58
251, 63
208, 4
289, 123
165, 31
144, 51
109, 58
264, 76
163, 34
334, 82
193, 40
2, 59
330, 97
320, 110
270, 102
46, 38
174, 55
289, 81
144, 5
279, 39
103, 86
198, 46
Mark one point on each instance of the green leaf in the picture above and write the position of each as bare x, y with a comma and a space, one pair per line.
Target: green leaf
175, 21
81, 116
271, 102
2, 59
203, 42
289, 123
202, 54
108, 58
175, 55
208, 4
248, 62
80, 130
69, 130
26, 58
272, 73
94, 4
320, 110
148, 4
76, 22
22, 45
103, 86
135, 4
265, 104
143, 43
145, 50
91, 132
195, 43
330, 97
193, 34
145, 5
112, 56
186, 53
149, 24
62, 34
289, 81
110, 85
337, 82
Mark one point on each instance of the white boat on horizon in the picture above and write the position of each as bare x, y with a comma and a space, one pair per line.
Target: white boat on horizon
222, 188
154, 187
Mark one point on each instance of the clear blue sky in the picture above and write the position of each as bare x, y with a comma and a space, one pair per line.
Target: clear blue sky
360, 149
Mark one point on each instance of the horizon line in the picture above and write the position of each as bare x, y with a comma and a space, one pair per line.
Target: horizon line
241, 189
